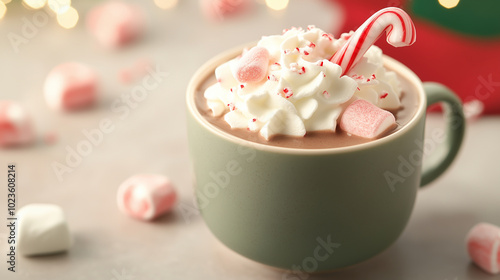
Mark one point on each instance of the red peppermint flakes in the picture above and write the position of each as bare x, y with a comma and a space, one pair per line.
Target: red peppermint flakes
328, 36
272, 78
287, 92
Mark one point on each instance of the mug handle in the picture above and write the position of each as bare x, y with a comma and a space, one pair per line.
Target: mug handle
441, 158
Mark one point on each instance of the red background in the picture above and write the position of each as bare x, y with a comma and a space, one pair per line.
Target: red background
468, 65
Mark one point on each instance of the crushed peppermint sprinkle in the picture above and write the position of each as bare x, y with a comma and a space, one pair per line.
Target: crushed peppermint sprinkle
286, 51
373, 76
295, 67
272, 78
356, 77
328, 36
242, 86
287, 92
254, 120
219, 80
384, 95
326, 94
231, 106
309, 27
320, 63
311, 45
306, 53
358, 88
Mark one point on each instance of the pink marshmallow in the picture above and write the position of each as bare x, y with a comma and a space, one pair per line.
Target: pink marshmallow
70, 86
115, 23
252, 66
15, 125
364, 119
483, 246
146, 196
220, 9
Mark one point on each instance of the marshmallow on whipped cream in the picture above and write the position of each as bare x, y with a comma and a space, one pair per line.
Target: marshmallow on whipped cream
301, 90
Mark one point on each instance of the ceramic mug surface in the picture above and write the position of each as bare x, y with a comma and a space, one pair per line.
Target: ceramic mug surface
318, 209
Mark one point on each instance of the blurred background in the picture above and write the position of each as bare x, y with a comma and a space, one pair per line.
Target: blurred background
458, 44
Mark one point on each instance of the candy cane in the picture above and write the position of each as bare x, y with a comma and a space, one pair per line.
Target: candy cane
394, 21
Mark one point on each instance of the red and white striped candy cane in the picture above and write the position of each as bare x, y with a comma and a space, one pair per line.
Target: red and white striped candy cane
394, 21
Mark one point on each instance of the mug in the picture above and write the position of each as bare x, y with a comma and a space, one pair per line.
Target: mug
317, 209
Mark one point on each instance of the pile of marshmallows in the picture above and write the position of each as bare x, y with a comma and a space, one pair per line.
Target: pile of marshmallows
43, 228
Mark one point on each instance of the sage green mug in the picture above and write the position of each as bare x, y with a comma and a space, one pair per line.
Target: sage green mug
317, 209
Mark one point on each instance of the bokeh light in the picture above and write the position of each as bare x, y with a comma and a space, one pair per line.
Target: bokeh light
166, 4
35, 4
277, 5
3, 9
59, 6
448, 4
68, 19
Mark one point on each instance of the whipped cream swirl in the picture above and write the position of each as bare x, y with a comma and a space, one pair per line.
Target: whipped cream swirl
303, 91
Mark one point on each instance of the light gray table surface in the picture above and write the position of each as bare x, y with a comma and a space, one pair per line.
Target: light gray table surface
152, 138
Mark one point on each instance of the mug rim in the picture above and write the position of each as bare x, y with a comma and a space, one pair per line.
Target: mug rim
209, 68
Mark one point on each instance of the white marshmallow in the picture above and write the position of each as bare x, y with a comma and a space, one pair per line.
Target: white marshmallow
42, 230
